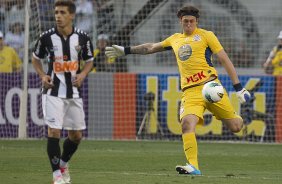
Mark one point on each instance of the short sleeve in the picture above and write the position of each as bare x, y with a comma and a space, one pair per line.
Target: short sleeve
213, 42
39, 49
166, 44
87, 50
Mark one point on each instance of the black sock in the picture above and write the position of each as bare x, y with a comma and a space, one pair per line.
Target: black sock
69, 149
54, 152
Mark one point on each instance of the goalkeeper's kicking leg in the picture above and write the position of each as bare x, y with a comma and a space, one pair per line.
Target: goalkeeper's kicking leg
191, 113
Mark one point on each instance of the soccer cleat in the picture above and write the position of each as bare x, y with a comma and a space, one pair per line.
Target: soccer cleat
59, 180
66, 174
187, 169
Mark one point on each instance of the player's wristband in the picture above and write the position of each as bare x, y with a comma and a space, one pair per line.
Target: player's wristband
127, 50
238, 87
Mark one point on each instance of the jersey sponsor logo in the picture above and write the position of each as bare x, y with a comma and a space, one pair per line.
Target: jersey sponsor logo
196, 77
184, 52
60, 58
65, 66
37, 50
51, 120
89, 53
54, 48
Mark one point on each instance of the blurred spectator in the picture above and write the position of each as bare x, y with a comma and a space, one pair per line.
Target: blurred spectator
84, 15
243, 57
15, 38
273, 64
15, 13
2, 15
9, 59
102, 63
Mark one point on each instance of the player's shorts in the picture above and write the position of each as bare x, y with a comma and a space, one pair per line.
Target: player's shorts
192, 102
61, 113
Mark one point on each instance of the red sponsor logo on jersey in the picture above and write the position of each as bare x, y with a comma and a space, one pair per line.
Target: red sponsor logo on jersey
65, 66
59, 58
196, 77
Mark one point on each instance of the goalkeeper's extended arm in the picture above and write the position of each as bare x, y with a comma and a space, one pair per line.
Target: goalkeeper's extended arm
117, 51
242, 94
147, 48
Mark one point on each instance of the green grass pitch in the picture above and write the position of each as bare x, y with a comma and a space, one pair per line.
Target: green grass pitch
143, 162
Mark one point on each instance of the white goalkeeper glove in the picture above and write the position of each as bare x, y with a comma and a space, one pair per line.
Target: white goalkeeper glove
116, 51
242, 94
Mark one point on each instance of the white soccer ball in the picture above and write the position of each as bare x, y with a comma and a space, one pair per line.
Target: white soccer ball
212, 92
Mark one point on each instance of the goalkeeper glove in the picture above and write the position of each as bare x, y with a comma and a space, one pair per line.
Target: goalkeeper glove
242, 94
116, 51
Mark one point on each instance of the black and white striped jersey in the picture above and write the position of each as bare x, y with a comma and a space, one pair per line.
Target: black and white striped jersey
64, 56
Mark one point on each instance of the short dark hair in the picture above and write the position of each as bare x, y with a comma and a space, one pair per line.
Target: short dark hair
188, 10
69, 3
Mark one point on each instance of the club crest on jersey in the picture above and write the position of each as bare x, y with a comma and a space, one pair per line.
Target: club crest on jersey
184, 52
77, 48
197, 38
54, 48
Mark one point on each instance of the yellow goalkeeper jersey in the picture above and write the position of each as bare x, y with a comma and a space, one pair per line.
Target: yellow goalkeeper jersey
277, 61
194, 55
9, 60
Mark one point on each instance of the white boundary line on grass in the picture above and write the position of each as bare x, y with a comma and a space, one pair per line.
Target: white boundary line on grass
182, 175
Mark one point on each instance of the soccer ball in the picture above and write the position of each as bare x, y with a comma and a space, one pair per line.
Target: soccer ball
212, 92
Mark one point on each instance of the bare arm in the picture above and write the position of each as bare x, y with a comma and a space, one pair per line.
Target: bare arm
147, 48
46, 79
242, 94
269, 59
228, 65
268, 63
79, 78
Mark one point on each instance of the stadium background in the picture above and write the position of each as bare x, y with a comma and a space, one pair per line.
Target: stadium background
114, 102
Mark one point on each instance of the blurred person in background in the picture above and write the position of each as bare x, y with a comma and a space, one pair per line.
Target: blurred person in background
103, 63
15, 12
9, 59
84, 15
3, 14
273, 64
15, 38
193, 49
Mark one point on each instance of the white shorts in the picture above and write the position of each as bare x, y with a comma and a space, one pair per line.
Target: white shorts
64, 113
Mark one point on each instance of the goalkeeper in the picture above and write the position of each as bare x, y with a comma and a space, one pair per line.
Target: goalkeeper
193, 50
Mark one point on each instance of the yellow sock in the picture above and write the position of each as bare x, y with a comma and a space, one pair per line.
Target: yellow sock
191, 148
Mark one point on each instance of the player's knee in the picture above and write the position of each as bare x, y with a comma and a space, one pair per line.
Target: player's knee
75, 136
188, 125
237, 127
55, 133
76, 139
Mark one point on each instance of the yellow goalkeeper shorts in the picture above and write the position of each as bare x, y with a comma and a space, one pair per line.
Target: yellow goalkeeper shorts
192, 102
